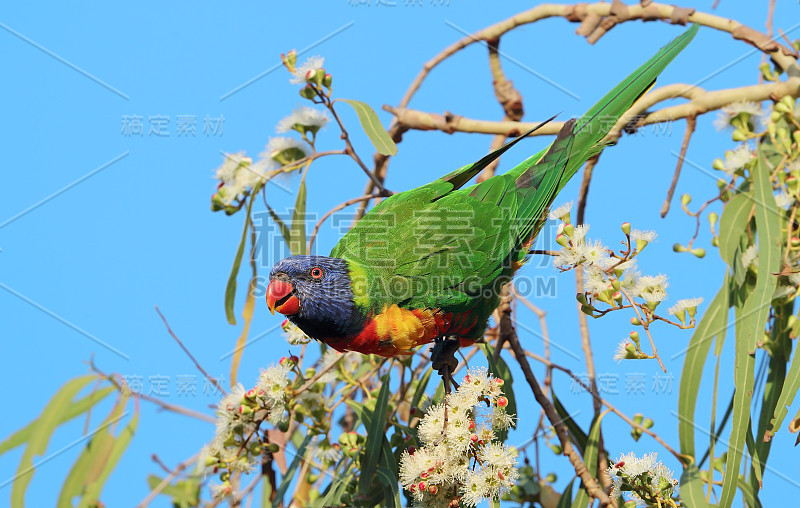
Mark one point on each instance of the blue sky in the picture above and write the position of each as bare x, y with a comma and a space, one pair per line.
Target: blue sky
99, 225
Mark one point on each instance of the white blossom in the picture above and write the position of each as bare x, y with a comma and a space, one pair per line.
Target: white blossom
647, 236
293, 334
325, 453
686, 304
312, 64
307, 117
625, 473
621, 352
784, 200
580, 233
280, 144
750, 256
648, 282
445, 466
561, 211
729, 112
737, 158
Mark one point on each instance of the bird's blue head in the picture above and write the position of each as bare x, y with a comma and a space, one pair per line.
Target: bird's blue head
315, 293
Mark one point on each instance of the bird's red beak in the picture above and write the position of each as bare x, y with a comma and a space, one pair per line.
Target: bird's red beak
280, 298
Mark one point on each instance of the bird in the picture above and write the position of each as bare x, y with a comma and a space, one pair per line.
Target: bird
428, 264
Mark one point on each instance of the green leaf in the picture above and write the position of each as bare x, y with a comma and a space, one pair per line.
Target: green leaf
790, 387
372, 126
565, 501
713, 323
577, 435
751, 320
590, 459
732, 226
289, 477
285, 232
753, 450
119, 445
375, 433
184, 493
43, 428
421, 386
230, 289
391, 487
692, 489
78, 408
298, 243
747, 492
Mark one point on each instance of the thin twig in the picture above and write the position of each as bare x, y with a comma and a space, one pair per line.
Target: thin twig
167, 480
607, 404
591, 485
691, 123
646, 327
189, 354
331, 212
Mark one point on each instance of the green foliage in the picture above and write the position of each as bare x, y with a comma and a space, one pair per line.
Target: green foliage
372, 127
100, 455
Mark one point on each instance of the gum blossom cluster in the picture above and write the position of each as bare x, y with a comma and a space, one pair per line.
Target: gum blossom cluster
464, 461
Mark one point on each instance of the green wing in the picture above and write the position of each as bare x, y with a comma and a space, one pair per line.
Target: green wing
447, 247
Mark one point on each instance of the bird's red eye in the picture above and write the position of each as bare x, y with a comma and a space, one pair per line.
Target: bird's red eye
316, 272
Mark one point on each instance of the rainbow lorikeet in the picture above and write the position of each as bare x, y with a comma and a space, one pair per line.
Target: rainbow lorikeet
429, 263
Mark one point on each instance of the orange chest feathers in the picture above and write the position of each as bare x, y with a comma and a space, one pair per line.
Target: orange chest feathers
398, 331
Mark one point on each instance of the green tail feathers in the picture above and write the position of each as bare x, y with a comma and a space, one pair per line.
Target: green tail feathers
590, 129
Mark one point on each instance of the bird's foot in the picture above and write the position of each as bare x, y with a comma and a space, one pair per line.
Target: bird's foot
444, 362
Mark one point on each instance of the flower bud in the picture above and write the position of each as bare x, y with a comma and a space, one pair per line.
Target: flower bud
616, 284
617, 296
699, 252
581, 298
563, 241
588, 310
647, 423
781, 107
255, 448
678, 248
473, 438
686, 199
634, 337
312, 478
635, 321
569, 229
794, 241
626, 228
502, 402
630, 352
739, 135
712, 218
556, 449
308, 92
715, 241
225, 476
327, 80
766, 71
718, 164
551, 478
772, 129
